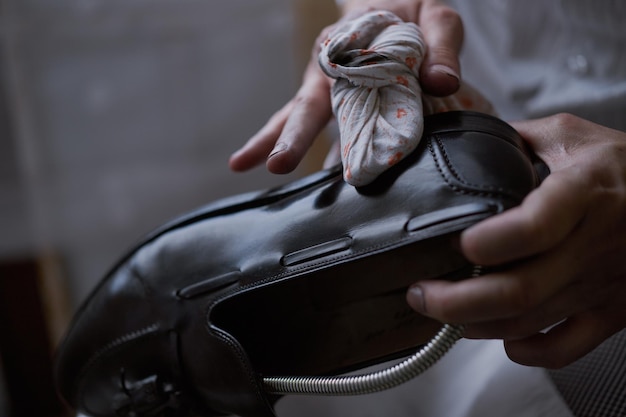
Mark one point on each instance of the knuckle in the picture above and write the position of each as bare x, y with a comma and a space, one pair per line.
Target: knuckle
536, 230
442, 308
442, 17
303, 100
443, 31
563, 121
444, 14
518, 295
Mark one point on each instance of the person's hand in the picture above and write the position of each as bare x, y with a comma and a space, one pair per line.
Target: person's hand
565, 246
286, 137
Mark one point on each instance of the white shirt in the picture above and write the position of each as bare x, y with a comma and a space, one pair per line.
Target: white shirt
534, 58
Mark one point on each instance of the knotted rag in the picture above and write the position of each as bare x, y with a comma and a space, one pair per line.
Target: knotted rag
376, 98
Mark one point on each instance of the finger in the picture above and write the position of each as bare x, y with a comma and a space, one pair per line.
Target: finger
537, 225
311, 111
500, 295
562, 344
256, 150
443, 32
573, 300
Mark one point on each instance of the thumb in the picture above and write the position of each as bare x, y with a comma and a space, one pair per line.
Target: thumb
440, 73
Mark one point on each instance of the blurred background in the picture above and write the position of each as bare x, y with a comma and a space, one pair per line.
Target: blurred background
116, 116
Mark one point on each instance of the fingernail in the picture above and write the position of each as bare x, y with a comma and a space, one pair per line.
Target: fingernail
415, 298
444, 69
280, 147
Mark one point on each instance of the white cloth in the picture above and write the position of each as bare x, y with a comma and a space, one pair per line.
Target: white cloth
376, 98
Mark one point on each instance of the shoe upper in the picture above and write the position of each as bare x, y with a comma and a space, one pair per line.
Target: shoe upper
148, 340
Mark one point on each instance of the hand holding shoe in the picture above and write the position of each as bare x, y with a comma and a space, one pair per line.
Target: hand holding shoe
565, 246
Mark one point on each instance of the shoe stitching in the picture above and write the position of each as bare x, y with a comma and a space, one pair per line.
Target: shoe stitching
472, 189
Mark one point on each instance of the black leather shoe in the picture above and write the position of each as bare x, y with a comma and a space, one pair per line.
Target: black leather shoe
305, 279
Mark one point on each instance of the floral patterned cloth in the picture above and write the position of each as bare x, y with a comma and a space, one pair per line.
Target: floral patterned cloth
376, 98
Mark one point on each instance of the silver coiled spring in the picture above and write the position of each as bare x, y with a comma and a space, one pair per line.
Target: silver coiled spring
398, 374
387, 378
